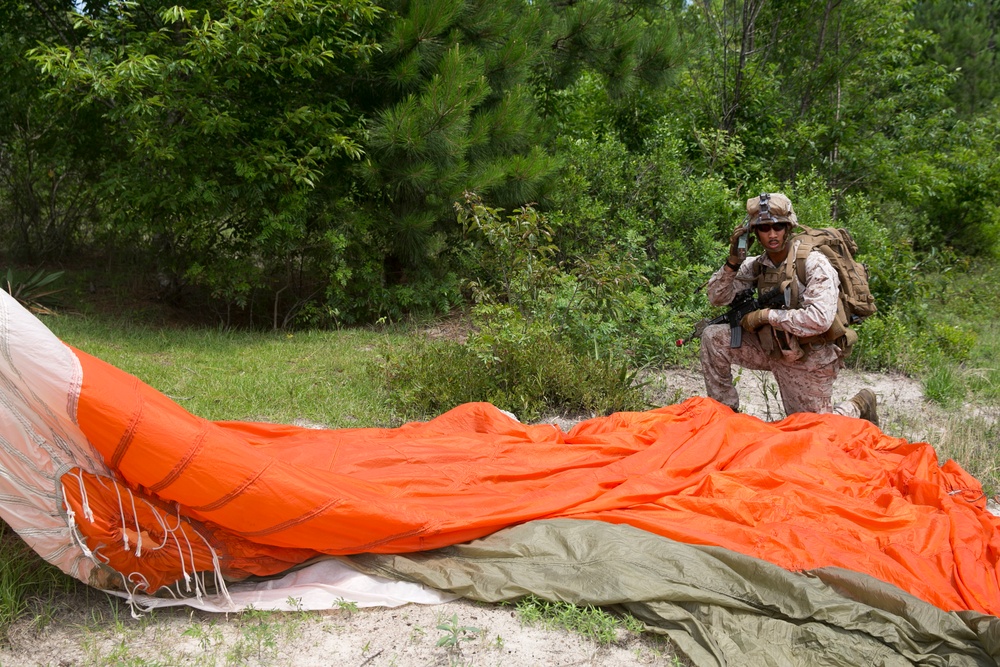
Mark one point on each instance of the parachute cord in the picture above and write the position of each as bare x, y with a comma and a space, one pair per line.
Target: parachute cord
141, 578
134, 606
220, 582
138, 530
194, 566
163, 524
77, 537
70, 514
100, 557
180, 555
84, 502
121, 510
177, 507
88, 513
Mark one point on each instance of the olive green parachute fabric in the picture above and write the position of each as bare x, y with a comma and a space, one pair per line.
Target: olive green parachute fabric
718, 606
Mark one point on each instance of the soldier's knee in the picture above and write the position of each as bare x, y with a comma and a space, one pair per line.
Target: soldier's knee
715, 336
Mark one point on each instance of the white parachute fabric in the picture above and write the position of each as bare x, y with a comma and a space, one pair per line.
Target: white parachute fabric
39, 438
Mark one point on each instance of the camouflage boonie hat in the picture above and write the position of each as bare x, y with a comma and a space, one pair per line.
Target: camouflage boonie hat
771, 207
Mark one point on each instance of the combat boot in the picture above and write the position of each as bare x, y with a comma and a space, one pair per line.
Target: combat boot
866, 403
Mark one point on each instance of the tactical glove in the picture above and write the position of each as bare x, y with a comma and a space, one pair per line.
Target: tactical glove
755, 320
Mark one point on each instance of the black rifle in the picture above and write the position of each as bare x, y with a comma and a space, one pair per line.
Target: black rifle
742, 304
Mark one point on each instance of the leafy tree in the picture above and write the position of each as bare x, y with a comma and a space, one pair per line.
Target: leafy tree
220, 118
48, 152
316, 146
853, 90
968, 42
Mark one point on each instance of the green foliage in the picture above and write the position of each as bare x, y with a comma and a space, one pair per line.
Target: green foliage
942, 384
967, 44
459, 95
953, 342
586, 298
220, 122
455, 634
643, 206
589, 621
518, 368
295, 162
961, 334
35, 292
543, 331
49, 152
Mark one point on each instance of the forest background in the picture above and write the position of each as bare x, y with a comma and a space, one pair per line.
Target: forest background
566, 174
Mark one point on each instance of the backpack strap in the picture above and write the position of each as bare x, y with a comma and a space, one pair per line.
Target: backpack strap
795, 264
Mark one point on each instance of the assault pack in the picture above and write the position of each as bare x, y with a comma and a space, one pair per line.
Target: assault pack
856, 302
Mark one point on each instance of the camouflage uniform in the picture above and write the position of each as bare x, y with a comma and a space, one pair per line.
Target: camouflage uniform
806, 383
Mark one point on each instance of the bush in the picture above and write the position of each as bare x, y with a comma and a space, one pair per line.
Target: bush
547, 333
517, 367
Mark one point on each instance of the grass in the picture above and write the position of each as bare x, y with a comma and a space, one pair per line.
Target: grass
593, 622
316, 376
27, 583
964, 374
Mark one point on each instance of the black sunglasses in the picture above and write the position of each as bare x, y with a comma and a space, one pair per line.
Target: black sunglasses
776, 226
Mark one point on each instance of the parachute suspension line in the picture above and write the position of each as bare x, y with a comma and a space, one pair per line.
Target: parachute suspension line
134, 606
198, 585
220, 582
71, 520
138, 530
141, 583
163, 524
180, 556
88, 513
177, 508
121, 511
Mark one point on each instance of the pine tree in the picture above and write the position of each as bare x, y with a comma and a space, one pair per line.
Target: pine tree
968, 43
458, 99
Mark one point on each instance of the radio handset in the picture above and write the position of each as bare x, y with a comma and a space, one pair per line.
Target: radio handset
741, 245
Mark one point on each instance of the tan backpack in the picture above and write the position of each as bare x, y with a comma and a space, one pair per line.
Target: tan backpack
856, 301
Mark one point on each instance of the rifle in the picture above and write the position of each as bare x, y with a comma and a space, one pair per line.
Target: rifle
744, 302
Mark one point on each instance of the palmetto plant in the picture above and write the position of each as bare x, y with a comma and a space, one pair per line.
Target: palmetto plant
34, 292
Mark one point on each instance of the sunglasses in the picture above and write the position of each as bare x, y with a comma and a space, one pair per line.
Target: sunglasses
776, 226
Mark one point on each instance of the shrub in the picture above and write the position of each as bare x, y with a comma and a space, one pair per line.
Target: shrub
887, 342
35, 292
546, 332
517, 367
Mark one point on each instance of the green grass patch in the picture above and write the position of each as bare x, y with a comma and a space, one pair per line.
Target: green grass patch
599, 625
962, 332
316, 376
27, 583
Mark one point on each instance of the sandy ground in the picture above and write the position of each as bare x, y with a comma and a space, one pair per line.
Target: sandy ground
404, 636
89, 629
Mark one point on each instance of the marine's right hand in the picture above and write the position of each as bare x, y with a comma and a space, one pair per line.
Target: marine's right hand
735, 254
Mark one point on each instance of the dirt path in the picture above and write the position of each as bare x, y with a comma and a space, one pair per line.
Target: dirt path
88, 629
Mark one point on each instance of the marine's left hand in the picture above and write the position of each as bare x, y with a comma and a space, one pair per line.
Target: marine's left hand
755, 320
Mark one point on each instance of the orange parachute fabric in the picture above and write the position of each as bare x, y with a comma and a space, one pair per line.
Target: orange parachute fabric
807, 492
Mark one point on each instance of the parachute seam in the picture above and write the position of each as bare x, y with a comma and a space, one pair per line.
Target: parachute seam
229, 497
172, 476
126, 439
